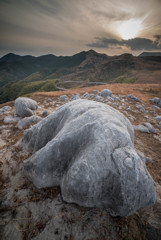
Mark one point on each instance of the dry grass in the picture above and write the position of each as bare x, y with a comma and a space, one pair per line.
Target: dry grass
142, 91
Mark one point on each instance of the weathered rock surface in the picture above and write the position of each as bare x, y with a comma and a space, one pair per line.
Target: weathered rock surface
27, 121
87, 149
150, 127
25, 107
142, 128
11, 119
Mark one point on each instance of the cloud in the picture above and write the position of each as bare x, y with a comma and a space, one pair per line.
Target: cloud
134, 44
65, 27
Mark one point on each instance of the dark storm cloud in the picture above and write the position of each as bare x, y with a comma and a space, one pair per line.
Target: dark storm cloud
134, 44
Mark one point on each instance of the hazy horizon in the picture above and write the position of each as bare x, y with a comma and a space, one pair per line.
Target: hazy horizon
64, 28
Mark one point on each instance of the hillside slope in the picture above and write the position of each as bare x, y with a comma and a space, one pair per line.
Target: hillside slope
24, 75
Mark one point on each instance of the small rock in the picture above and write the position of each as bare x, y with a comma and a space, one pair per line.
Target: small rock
49, 100
155, 107
45, 114
158, 118
5, 109
27, 121
150, 127
141, 128
141, 108
99, 98
75, 97
106, 93
132, 97
115, 105
86, 95
63, 98
116, 98
11, 119
156, 101
91, 96
129, 109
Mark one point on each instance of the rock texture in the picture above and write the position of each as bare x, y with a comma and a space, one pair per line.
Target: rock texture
87, 149
27, 121
25, 107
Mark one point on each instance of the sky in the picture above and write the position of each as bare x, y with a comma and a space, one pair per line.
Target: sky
66, 27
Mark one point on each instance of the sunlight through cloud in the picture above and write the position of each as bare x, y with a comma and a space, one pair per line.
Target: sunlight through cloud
130, 29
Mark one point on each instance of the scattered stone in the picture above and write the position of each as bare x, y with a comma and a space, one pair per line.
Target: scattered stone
75, 97
141, 128
155, 107
27, 121
115, 105
105, 168
132, 97
110, 98
45, 114
105, 93
63, 98
99, 98
129, 109
158, 118
5, 109
156, 101
116, 98
141, 108
91, 96
11, 119
25, 107
157, 137
143, 157
150, 127
86, 95
49, 100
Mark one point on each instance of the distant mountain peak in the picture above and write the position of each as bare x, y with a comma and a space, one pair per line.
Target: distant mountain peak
149, 54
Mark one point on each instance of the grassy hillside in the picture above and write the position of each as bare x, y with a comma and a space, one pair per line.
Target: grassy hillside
22, 88
24, 75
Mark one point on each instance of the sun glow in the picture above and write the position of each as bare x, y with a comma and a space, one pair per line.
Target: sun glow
129, 29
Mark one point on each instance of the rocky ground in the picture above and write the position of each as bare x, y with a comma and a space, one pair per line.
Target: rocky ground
30, 213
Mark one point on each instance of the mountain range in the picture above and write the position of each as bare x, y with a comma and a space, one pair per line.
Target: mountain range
23, 75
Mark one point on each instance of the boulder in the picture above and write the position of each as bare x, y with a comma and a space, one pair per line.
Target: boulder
25, 107
106, 93
27, 121
87, 148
